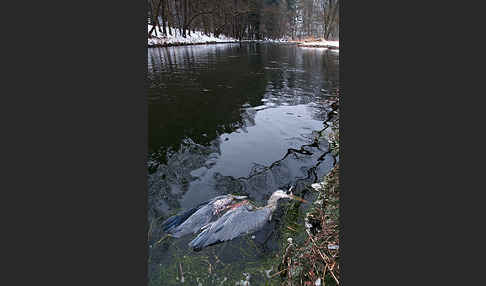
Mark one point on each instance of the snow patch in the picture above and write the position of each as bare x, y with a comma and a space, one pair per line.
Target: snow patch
322, 44
176, 38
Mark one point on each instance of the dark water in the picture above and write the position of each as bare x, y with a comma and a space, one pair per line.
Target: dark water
231, 118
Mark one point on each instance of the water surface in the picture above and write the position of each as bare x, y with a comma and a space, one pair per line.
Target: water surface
231, 118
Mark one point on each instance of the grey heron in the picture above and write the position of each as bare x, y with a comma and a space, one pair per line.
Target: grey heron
241, 218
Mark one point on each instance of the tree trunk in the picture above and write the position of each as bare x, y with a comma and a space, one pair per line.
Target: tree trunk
331, 20
170, 23
178, 16
184, 17
164, 19
155, 20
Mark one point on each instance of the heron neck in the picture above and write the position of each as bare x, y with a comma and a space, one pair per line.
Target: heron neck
272, 203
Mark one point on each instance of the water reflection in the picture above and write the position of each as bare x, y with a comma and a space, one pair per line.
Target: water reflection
234, 118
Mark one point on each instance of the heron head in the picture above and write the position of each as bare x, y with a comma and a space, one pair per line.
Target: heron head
280, 194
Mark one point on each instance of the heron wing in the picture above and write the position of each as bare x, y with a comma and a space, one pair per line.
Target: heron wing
231, 225
193, 224
192, 220
171, 223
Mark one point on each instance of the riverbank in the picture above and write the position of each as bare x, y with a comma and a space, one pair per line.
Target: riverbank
199, 38
314, 260
332, 45
176, 39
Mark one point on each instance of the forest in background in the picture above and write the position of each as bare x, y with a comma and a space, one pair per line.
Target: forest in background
247, 19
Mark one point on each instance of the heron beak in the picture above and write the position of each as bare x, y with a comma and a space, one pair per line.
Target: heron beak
298, 199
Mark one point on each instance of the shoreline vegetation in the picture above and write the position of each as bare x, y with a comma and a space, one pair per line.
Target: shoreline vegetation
199, 38
314, 260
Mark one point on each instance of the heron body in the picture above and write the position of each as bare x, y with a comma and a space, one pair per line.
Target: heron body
238, 219
243, 219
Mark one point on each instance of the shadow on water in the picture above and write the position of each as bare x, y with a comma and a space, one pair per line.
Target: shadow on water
232, 118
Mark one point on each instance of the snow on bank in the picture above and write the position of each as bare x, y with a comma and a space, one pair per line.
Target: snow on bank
281, 40
322, 44
177, 39
198, 37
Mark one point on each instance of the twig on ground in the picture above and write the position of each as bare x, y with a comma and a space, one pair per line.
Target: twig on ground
333, 276
291, 228
163, 238
275, 274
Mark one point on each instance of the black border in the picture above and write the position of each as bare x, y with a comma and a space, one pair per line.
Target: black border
77, 158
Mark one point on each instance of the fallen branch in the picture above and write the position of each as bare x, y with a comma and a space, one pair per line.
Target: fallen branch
275, 274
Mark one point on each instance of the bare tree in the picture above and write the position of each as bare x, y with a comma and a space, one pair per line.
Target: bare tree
246, 19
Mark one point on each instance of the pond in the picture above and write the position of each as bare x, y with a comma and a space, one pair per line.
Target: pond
239, 118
